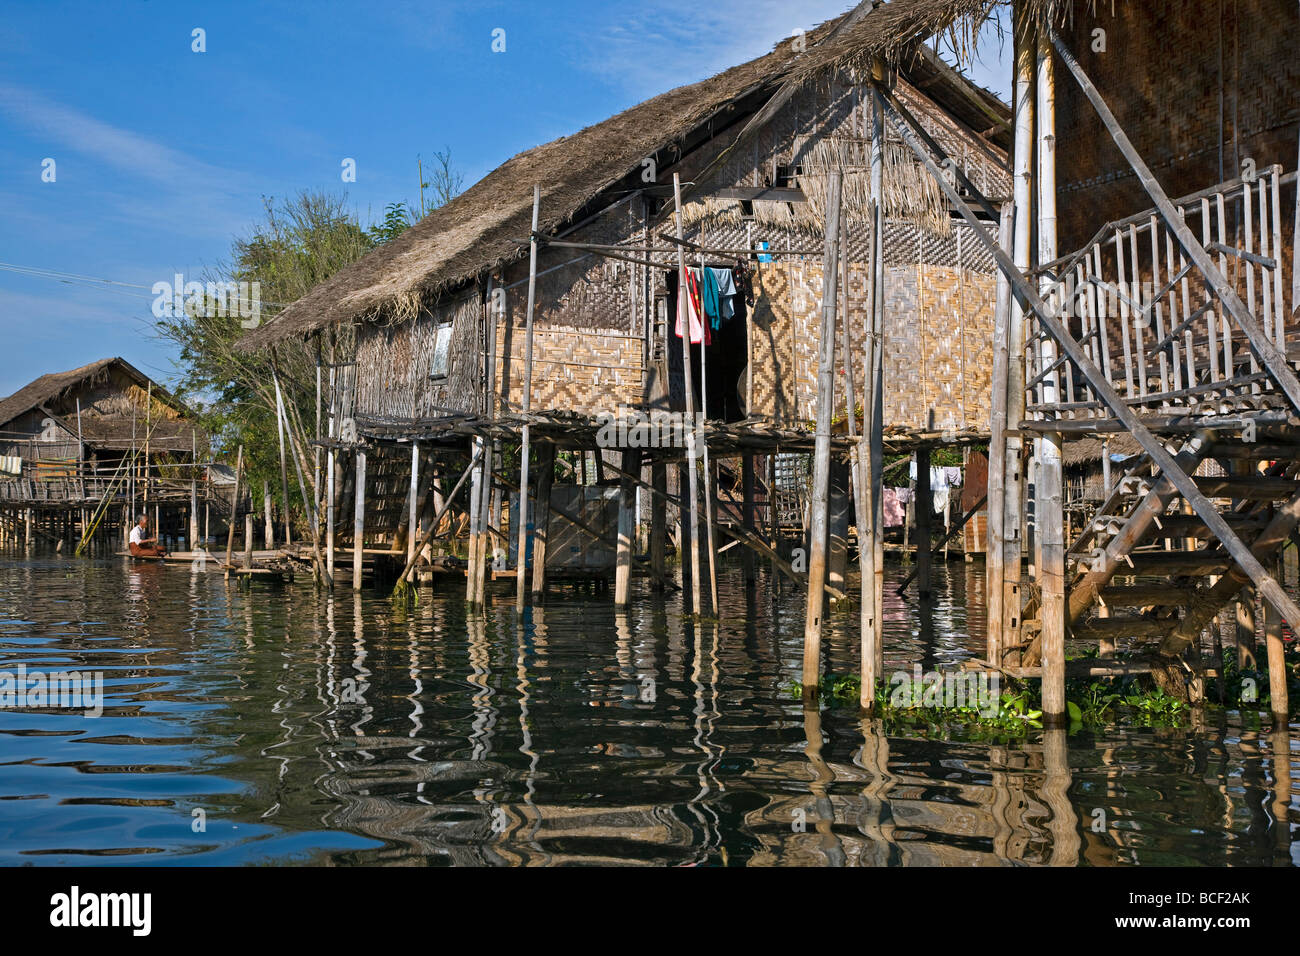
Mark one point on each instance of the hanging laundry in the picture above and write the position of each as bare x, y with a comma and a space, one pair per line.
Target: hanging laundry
952, 476
708, 281
694, 313
941, 498
726, 293
11, 465
895, 508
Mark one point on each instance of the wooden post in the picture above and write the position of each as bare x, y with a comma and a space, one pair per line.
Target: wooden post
812, 634
359, 519
876, 441
658, 526
280, 425
631, 462
413, 505
924, 520
710, 474
995, 543
694, 428
521, 563
837, 542
684, 538
474, 566
234, 510
1049, 504
269, 520
489, 504
248, 539
1279, 701
194, 484
542, 521
747, 518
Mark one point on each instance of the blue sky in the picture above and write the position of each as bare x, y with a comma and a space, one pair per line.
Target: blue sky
163, 155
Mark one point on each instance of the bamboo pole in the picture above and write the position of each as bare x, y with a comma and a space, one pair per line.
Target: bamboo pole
234, 510
280, 425
358, 518
696, 429
747, 490
1013, 487
474, 566
875, 478
710, 476
924, 520
542, 521
995, 542
268, 518
413, 504
658, 526
1048, 507
626, 529
812, 633
521, 562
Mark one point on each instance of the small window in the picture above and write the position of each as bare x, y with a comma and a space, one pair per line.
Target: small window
441, 351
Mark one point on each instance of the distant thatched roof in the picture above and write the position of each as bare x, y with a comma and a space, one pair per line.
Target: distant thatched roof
477, 230
98, 429
1087, 450
49, 387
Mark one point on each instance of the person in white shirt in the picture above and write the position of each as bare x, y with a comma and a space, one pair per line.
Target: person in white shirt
142, 545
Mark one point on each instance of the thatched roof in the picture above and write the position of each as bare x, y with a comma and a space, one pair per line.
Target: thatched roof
1087, 450
50, 388
478, 230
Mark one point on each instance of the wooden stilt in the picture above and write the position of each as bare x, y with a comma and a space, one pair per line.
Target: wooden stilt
248, 539
542, 521
924, 520
413, 502
812, 634
995, 542
280, 425
269, 521
1049, 500
696, 430
521, 533
838, 504
359, 519
747, 490
626, 530
658, 526
474, 566
1278, 696
487, 522
876, 383
234, 510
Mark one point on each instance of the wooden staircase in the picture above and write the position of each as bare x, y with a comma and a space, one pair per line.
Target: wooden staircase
1147, 568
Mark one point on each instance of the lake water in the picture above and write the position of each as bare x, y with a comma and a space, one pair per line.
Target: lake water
273, 725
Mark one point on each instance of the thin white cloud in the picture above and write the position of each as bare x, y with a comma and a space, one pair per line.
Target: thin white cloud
119, 148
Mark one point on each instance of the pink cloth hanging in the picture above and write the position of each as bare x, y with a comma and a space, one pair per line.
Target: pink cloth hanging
699, 328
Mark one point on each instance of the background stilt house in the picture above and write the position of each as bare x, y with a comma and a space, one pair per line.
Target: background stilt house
442, 309
71, 441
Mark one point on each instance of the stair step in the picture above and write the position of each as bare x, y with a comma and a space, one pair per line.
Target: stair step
1193, 526
1143, 595
1123, 627
1250, 487
1177, 562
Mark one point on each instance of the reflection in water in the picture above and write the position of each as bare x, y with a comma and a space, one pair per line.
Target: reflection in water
270, 725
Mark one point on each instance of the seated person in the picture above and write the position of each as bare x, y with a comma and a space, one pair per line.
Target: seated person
143, 546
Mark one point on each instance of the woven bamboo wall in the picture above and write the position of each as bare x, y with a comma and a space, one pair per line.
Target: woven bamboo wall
394, 363
938, 343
